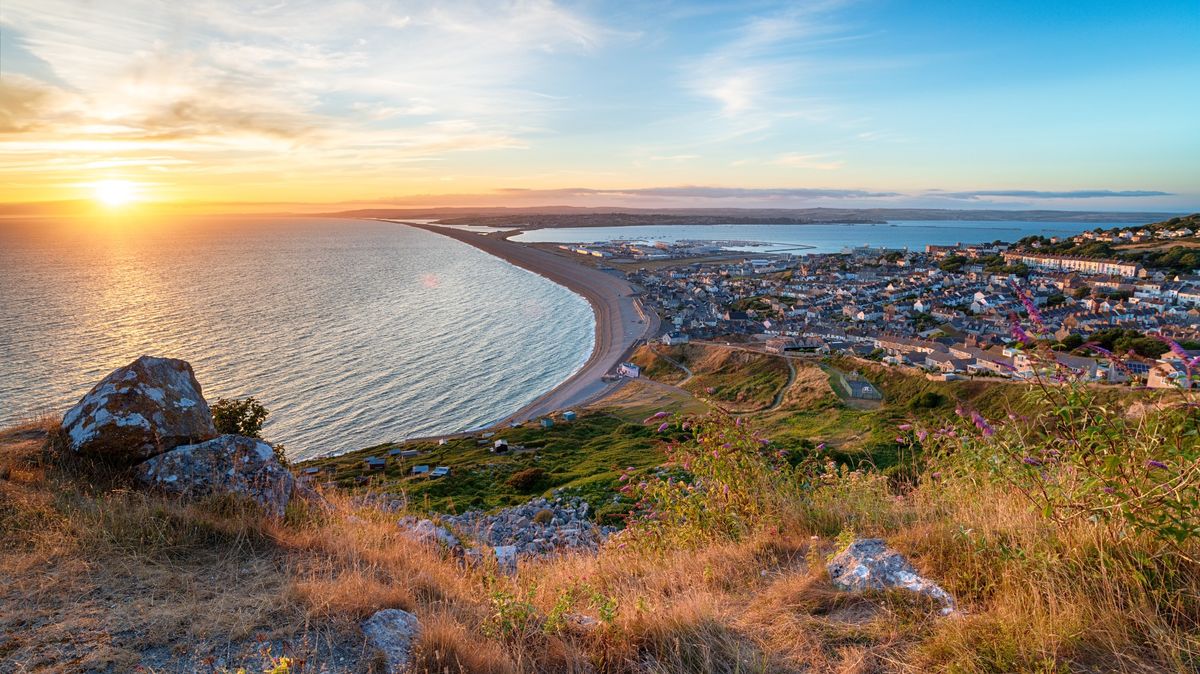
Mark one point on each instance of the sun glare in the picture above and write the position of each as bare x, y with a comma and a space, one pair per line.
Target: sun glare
115, 193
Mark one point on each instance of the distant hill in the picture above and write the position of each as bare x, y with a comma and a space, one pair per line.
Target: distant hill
1165, 245
570, 216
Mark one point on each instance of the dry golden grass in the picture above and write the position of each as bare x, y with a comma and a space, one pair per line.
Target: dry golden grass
811, 386
636, 399
94, 576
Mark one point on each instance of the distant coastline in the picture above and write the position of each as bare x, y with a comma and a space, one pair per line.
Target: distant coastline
567, 216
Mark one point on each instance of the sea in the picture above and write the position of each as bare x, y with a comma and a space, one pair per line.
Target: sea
352, 333
799, 239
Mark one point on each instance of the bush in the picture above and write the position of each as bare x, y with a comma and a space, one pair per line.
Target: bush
526, 480
543, 516
927, 400
239, 417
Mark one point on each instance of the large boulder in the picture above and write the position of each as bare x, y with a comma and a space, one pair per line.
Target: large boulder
869, 564
141, 410
392, 633
227, 464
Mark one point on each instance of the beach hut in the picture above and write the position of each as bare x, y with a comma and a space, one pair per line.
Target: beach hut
500, 446
420, 470
410, 453
569, 415
441, 471
547, 422
376, 463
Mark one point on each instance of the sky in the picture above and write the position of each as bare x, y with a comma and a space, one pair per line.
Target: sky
874, 103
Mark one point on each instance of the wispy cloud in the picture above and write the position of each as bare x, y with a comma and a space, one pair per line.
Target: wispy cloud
764, 61
213, 82
1042, 194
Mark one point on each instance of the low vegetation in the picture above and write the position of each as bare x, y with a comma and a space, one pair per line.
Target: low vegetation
1062, 518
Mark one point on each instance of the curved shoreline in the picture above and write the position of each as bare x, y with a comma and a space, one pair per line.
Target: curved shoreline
620, 321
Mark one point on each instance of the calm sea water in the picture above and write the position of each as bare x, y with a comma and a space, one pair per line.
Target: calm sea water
911, 234
351, 333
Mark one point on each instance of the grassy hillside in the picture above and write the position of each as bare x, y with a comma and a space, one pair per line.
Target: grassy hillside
96, 576
585, 456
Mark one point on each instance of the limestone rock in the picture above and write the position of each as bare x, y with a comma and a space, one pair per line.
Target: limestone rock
568, 527
392, 632
425, 531
506, 558
868, 564
227, 464
140, 410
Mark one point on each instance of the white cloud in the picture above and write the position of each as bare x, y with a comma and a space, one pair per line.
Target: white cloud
299, 81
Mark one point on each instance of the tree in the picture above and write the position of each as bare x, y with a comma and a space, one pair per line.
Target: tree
1072, 342
239, 417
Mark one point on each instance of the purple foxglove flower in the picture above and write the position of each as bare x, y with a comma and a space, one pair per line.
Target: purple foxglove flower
1156, 464
1030, 461
663, 427
921, 435
904, 427
982, 424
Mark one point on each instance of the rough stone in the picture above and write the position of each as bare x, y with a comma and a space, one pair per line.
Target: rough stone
868, 564
425, 531
141, 410
227, 464
392, 632
506, 558
568, 528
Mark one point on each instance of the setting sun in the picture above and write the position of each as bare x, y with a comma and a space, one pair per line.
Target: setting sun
115, 192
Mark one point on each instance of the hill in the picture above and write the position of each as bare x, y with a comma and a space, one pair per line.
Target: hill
1060, 519
1157, 246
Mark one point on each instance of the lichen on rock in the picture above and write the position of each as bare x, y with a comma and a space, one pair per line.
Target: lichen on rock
139, 411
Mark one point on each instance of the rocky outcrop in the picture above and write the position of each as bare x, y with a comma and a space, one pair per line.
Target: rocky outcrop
227, 464
539, 528
392, 633
139, 411
868, 564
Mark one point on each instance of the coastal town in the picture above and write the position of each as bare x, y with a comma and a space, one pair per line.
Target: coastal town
956, 311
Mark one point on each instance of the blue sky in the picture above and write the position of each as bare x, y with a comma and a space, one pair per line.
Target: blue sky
1076, 105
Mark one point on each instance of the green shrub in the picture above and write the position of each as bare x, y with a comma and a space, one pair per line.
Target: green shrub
239, 416
543, 516
526, 480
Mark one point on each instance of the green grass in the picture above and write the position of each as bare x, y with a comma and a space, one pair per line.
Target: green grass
585, 456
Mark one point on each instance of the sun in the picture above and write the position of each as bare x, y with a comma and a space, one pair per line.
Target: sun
115, 193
